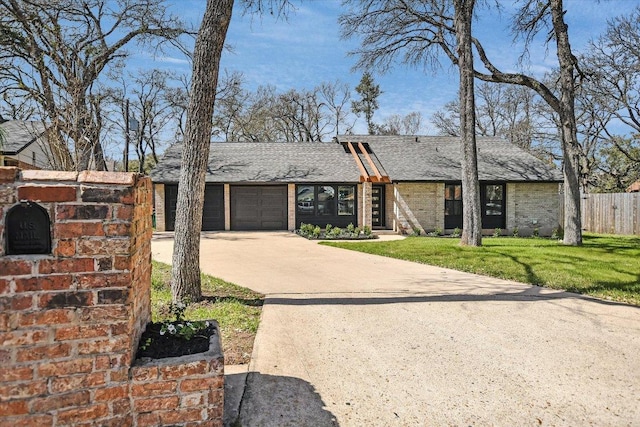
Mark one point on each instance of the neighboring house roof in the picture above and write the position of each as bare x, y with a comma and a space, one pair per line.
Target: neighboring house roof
437, 158
634, 188
18, 135
266, 162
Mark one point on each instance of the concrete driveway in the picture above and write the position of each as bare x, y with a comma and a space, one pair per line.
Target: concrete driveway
352, 339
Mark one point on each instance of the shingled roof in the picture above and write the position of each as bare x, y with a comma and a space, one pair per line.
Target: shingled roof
403, 158
19, 134
437, 158
266, 162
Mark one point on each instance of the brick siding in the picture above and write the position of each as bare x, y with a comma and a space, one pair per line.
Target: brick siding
418, 205
70, 321
159, 199
533, 206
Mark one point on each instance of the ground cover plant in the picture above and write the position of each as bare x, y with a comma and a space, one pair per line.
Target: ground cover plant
314, 232
236, 309
605, 266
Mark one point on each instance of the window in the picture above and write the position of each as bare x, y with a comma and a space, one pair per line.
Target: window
346, 200
492, 202
453, 199
324, 204
306, 200
493, 199
326, 200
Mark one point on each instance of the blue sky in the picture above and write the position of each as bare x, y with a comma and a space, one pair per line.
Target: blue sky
306, 50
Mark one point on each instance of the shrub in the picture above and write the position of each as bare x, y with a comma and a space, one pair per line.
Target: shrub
335, 232
436, 232
456, 232
558, 233
316, 232
416, 231
516, 232
497, 232
306, 230
366, 230
350, 228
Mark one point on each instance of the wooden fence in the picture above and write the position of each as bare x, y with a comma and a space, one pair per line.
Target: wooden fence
613, 213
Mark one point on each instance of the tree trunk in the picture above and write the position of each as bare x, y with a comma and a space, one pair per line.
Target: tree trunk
471, 218
185, 273
570, 145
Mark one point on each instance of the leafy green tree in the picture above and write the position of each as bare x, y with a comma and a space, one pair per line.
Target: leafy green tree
369, 92
619, 166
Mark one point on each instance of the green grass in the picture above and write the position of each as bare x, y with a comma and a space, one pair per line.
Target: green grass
605, 266
236, 309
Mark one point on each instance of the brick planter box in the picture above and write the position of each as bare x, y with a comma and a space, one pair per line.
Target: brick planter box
186, 390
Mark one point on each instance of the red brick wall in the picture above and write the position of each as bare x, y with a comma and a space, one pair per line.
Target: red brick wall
70, 321
179, 391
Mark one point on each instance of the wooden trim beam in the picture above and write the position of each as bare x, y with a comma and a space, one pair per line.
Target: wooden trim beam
379, 176
363, 170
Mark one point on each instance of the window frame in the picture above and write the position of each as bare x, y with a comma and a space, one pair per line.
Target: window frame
311, 212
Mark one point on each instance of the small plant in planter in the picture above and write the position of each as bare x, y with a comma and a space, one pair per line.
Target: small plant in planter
176, 338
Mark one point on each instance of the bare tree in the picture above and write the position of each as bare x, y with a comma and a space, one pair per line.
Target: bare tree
417, 32
149, 97
396, 28
336, 96
515, 113
185, 271
611, 94
53, 53
471, 218
397, 124
297, 115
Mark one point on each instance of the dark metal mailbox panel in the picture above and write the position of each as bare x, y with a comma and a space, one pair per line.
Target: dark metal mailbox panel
28, 230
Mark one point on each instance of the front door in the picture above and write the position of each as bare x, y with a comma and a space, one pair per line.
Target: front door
377, 206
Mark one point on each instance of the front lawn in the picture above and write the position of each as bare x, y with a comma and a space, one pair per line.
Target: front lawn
236, 309
605, 266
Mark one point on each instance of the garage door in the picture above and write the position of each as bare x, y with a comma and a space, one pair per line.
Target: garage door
212, 214
259, 207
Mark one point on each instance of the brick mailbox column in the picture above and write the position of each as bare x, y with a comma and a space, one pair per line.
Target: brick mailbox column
71, 319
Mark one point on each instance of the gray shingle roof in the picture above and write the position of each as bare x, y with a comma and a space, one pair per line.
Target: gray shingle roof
403, 158
437, 158
266, 162
19, 134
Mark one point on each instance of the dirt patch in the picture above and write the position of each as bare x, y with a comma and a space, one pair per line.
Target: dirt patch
237, 347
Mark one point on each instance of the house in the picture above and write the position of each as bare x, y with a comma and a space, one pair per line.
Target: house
399, 183
22, 144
